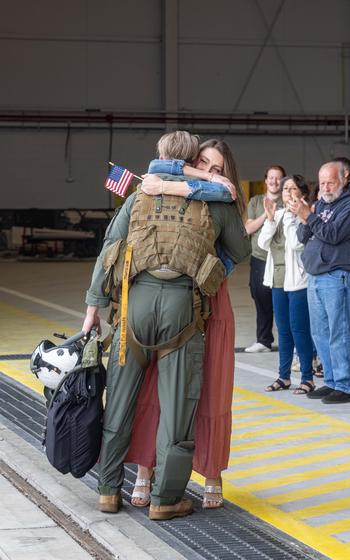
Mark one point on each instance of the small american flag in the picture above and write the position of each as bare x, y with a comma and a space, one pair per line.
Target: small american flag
118, 180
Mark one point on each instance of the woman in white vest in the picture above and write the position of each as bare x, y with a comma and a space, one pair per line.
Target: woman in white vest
285, 274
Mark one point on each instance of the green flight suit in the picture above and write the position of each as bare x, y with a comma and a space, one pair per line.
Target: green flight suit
158, 310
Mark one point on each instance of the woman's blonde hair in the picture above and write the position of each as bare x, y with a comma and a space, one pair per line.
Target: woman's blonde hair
230, 169
179, 145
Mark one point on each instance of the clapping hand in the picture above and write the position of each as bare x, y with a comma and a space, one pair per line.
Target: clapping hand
270, 208
300, 208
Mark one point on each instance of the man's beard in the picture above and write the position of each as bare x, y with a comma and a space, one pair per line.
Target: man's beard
331, 197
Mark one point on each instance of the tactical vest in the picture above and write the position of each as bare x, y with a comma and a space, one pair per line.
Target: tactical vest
167, 231
176, 234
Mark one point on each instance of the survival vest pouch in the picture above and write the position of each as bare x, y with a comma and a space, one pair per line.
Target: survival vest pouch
73, 432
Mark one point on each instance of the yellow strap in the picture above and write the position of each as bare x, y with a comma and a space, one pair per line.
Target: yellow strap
124, 305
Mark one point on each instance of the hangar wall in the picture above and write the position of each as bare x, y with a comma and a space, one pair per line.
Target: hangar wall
86, 81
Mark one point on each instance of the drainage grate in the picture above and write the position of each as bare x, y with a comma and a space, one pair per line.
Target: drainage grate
225, 534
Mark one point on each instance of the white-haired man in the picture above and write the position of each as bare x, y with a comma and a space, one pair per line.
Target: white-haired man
326, 235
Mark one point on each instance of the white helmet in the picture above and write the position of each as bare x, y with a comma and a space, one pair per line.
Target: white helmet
50, 362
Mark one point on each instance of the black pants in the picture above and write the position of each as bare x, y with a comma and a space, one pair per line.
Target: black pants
262, 297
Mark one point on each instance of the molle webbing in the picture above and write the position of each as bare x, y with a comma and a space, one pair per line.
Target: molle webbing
170, 232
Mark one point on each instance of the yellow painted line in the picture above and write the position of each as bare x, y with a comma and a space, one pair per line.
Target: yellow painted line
275, 430
311, 536
336, 526
288, 451
265, 414
19, 370
322, 509
15, 371
276, 418
298, 462
22, 330
247, 405
277, 481
288, 438
322, 418
316, 490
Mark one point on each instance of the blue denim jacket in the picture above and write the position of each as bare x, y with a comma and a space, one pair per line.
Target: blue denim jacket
201, 190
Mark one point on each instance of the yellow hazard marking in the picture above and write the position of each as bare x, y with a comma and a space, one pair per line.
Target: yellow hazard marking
336, 526
21, 331
247, 405
281, 465
298, 448
276, 418
124, 305
19, 370
313, 425
278, 481
321, 509
293, 437
315, 490
311, 536
274, 429
237, 446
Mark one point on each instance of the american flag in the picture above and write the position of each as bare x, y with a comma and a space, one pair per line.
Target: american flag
118, 180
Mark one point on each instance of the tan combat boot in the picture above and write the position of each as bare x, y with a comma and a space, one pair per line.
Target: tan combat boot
181, 509
110, 504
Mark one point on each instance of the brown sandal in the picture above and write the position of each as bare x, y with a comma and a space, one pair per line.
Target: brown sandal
281, 386
301, 389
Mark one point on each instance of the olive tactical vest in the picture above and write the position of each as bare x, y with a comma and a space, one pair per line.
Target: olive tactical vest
168, 231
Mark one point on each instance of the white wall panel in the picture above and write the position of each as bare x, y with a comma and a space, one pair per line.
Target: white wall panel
67, 18
36, 171
296, 154
109, 55
46, 75
212, 78
76, 55
124, 76
223, 57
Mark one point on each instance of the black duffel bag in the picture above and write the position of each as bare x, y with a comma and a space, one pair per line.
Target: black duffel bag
73, 432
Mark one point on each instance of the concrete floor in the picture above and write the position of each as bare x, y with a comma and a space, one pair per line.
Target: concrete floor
290, 460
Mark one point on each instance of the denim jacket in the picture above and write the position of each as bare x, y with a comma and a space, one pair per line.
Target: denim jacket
201, 190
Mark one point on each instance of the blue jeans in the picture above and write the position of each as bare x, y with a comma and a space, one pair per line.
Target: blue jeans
293, 326
328, 297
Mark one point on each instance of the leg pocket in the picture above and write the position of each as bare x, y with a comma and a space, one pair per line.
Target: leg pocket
195, 357
176, 469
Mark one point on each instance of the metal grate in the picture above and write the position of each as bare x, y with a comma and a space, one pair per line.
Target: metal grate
225, 534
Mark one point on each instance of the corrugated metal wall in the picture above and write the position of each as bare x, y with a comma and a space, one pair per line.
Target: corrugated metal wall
155, 59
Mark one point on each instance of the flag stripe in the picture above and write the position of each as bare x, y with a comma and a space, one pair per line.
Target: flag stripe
118, 180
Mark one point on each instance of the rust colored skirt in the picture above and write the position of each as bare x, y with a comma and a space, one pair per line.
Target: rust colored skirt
213, 420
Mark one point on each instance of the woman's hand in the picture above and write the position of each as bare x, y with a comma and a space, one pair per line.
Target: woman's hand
300, 208
215, 178
91, 320
291, 205
152, 184
270, 208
